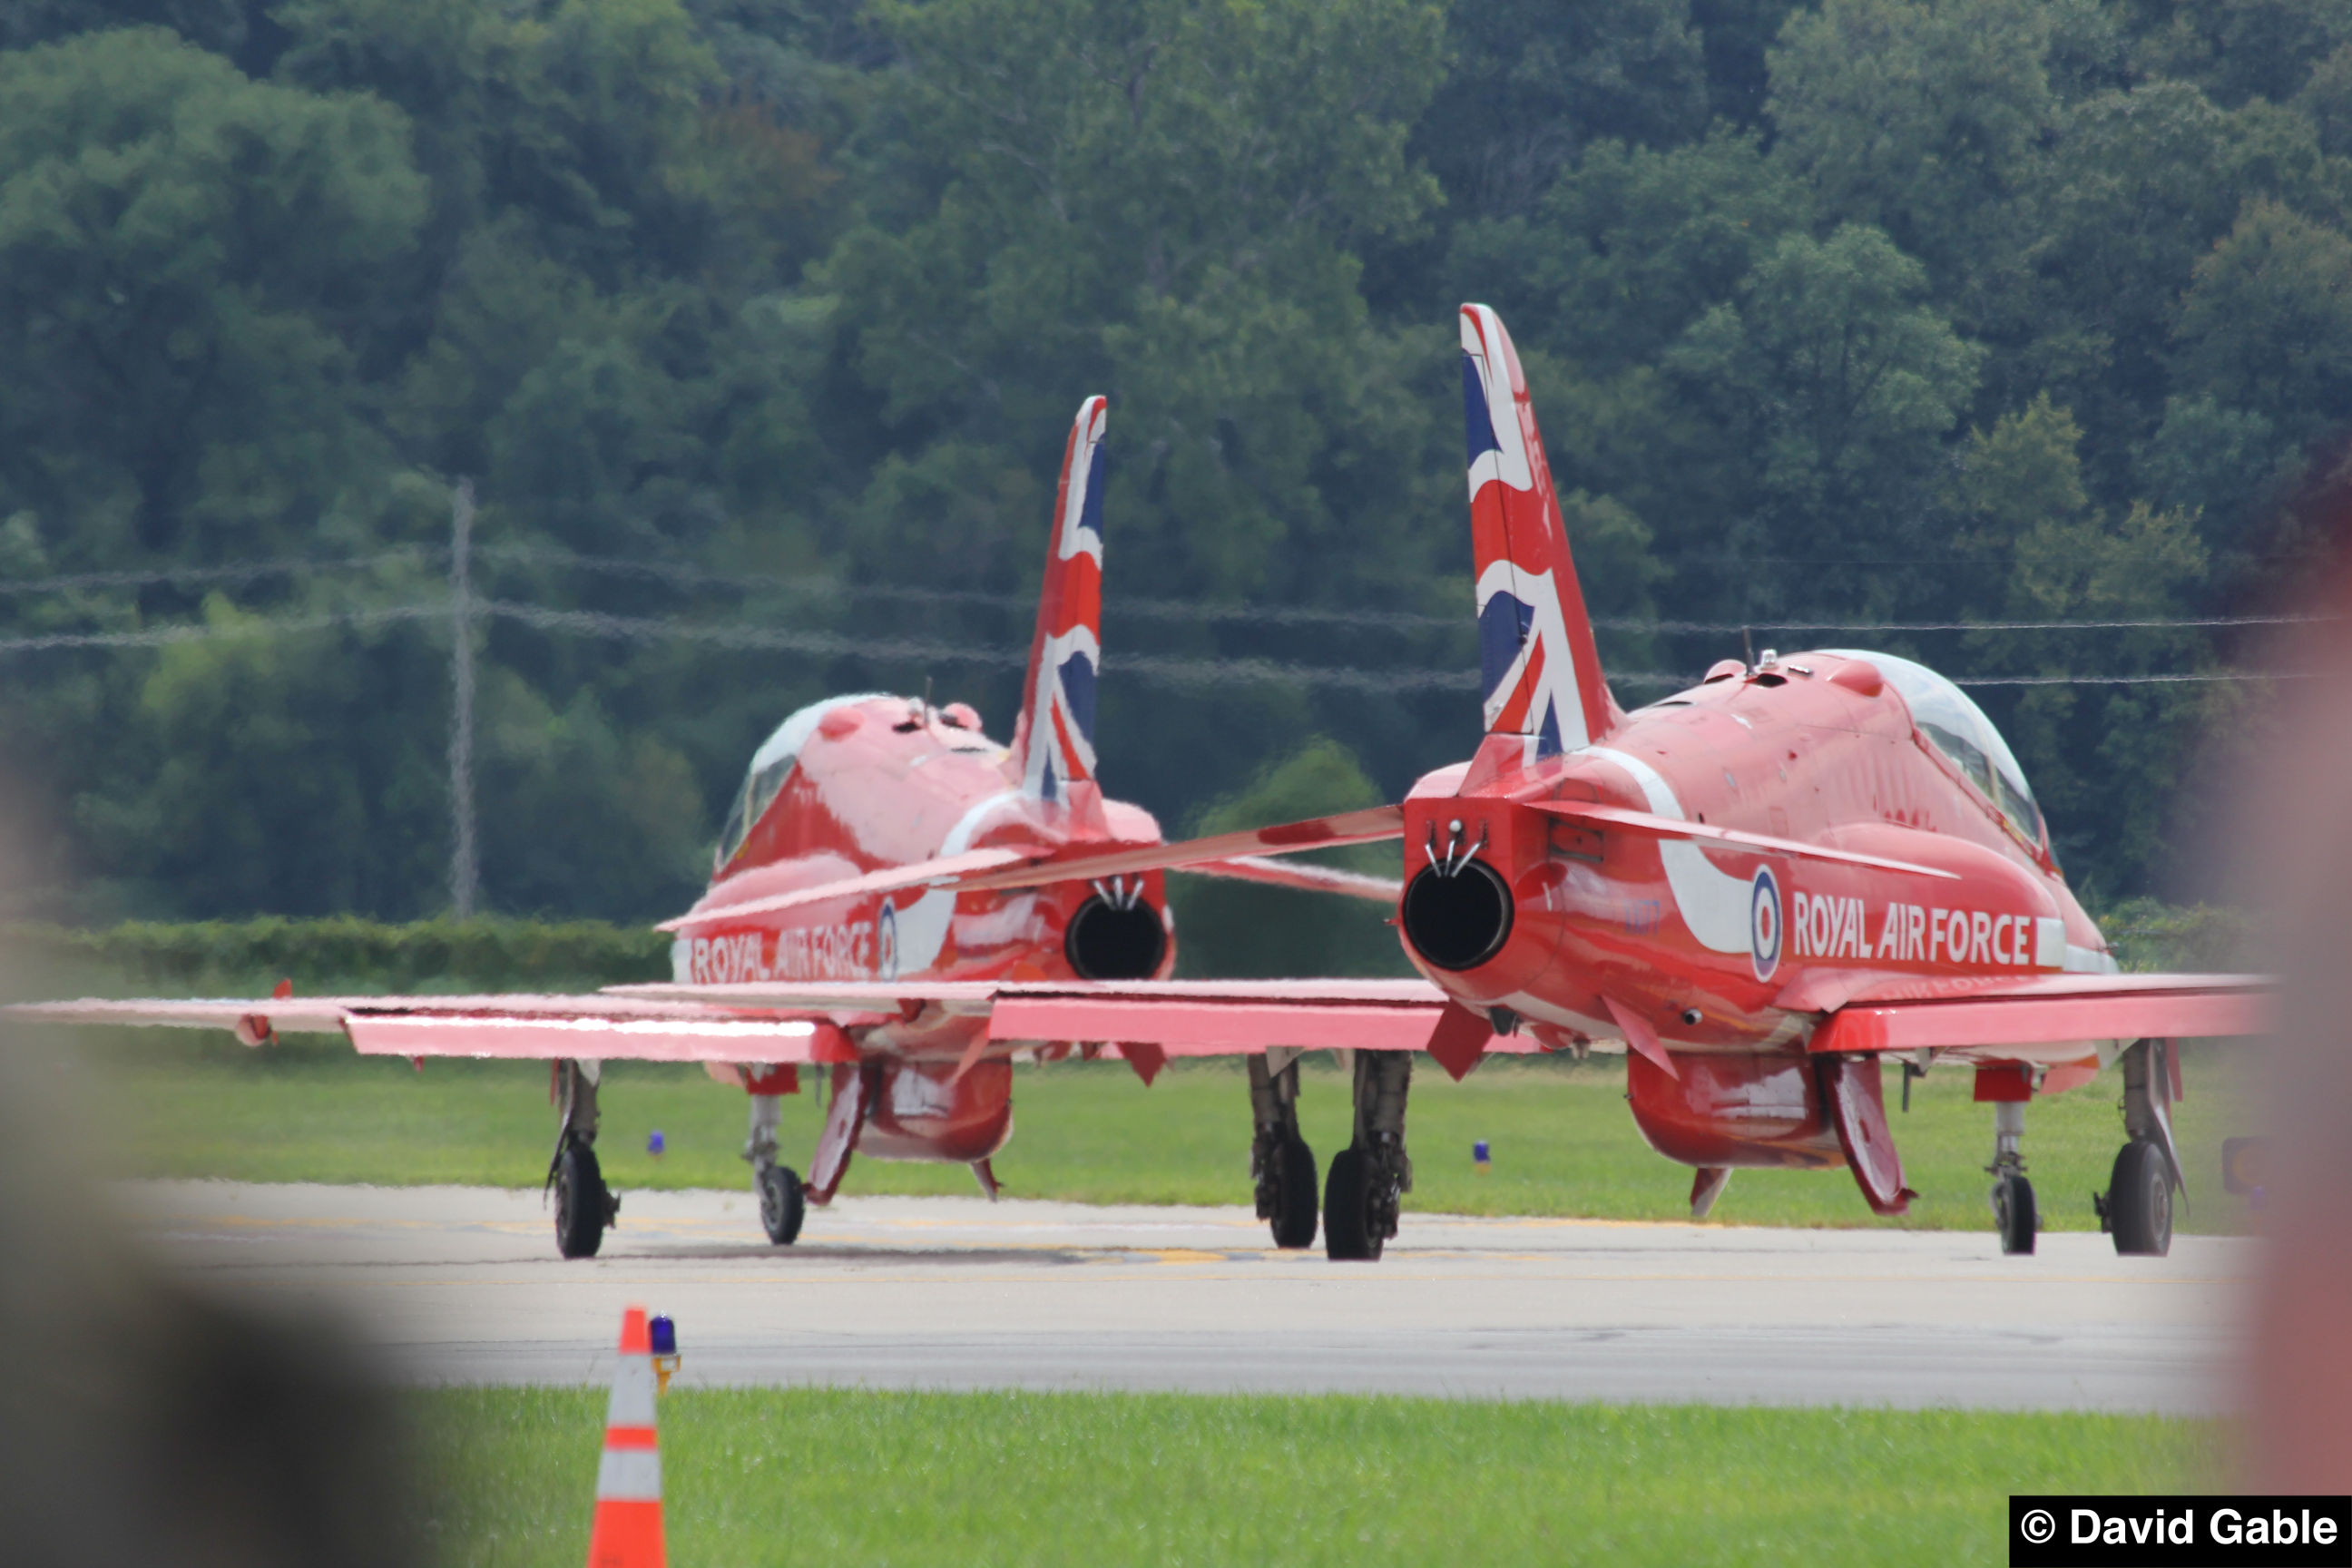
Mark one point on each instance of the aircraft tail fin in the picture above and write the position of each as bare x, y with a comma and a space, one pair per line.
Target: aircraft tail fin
1053, 739
1541, 667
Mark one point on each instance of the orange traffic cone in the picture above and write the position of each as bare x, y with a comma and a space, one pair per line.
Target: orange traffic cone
628, 1529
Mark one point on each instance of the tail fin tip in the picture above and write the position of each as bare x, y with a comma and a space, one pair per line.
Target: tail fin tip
1053, 739
1541, 667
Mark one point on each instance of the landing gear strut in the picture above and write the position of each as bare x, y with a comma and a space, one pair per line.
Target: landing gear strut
2136, 1207
1370, 1176
1280, 1162
2012, 1195
783, 1206
584, 1205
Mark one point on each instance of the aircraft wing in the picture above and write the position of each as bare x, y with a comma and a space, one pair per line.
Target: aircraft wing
535, 1028
2045, 1010
776, 1023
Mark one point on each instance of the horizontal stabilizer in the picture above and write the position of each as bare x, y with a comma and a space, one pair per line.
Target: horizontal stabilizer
1276, 873
984, 870
1590, 815
940, 872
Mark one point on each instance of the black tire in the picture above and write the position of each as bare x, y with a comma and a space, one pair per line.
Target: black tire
2139, 1201
2014, 1214
582, 1203
1347, 1233
1295, 1215
783, 1205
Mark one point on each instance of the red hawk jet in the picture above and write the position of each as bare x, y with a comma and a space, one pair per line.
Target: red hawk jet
800, 955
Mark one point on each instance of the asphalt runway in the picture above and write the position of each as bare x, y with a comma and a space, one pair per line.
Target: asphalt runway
462, 1284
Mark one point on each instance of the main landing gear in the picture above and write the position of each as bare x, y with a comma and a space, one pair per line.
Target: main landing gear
2136, 1207
1370, 1177
584, 1205
783, 1203
1280, 1162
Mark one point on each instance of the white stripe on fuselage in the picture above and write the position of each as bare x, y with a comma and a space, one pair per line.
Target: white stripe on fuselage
923, 924
1713, 902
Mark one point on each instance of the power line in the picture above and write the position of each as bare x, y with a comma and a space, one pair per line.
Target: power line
1194, 610
1295, 615
1168, 669
235, 571
207, 631
2190, 676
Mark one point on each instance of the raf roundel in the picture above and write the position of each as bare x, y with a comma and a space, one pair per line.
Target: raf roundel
886, 941
1764, 928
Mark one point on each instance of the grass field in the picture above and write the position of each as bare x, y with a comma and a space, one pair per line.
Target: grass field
1562, 1137
833, 1477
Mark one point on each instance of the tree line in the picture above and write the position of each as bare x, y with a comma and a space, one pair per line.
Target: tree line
1909, 312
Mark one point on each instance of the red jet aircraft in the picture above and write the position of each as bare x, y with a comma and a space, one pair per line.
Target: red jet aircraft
1759, 888
844, 788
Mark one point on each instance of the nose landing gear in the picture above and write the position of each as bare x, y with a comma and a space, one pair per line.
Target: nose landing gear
783, 1205
1280, 1162
1370, 1178
2013, 1213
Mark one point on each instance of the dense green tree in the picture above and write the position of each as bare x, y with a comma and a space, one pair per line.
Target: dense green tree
1923, 120
1530, 83
186, 267
1863, 310
2238, 49
1839, 380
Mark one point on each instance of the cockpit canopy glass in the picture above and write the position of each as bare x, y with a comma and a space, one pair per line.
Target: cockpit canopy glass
1959, 730
773, 765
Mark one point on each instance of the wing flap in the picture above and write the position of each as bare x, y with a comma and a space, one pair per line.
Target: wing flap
2054, 1010
1208, 1028
550, 1039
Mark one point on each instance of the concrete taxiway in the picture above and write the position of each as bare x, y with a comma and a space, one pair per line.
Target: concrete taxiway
462, 1284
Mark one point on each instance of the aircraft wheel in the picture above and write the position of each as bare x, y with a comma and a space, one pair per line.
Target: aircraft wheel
2139, 1201
2014, 1214
782, 1206
583, 1205
1349, 1235
1294, 1220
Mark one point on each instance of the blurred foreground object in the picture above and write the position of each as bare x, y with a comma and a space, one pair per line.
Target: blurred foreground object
2296, 861
628, 1529
145, 1423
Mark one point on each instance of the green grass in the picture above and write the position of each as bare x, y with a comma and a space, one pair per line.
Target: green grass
836, 1477
1562, 1140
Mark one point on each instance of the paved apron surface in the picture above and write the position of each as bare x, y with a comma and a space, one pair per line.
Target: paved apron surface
462, 1284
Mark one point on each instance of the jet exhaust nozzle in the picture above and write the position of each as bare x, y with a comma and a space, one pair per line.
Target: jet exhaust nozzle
1107, 942
1458, 920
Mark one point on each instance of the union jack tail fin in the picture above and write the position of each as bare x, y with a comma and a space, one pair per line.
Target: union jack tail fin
1541, 672
1053, 742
